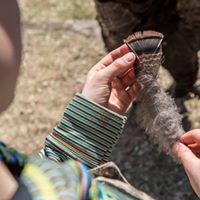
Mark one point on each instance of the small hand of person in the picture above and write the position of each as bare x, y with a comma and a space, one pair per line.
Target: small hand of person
188, 152
111, 82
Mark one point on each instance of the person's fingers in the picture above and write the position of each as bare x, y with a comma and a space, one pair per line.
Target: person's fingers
129, 78
113, 55
110, 58
197, 153
194, 146
192, 175
117, 84
124, 93
118, 97
132, 91
184, 154
118, 67
121, 76
191, 137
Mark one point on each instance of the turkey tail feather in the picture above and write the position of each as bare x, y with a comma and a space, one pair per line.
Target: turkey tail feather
156, 112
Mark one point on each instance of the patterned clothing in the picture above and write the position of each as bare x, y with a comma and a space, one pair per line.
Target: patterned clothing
14, 160
87, 132
51, 180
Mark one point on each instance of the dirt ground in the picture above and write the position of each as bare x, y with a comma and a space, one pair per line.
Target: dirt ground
61, 43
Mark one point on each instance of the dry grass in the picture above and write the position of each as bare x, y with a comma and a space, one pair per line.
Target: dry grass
57, 10
54, 66
55, 62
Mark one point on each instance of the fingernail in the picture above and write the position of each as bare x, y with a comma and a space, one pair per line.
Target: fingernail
129, 57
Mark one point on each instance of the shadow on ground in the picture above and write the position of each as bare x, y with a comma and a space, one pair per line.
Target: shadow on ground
148, 170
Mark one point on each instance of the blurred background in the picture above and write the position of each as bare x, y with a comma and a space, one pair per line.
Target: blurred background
61, 42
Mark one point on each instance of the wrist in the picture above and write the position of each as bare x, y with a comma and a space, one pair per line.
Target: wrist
87, 132
94, 96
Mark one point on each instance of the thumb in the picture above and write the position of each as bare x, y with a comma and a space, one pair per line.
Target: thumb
119, 66
184, 154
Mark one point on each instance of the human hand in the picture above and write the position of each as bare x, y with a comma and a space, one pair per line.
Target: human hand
188, 152
111, 82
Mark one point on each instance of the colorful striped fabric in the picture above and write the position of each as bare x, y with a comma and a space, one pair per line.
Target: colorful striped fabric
87, 132
13, 159
11, 156
45, 179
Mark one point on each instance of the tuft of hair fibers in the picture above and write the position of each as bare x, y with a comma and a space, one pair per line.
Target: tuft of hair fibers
156, 111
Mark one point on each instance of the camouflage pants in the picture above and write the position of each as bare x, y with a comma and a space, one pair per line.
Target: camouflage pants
178, 20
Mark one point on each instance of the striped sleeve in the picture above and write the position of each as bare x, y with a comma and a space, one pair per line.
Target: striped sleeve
87, 133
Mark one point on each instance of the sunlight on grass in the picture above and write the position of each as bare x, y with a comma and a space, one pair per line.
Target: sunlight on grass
57, 10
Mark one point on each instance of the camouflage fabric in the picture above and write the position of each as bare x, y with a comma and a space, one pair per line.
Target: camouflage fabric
178, 20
